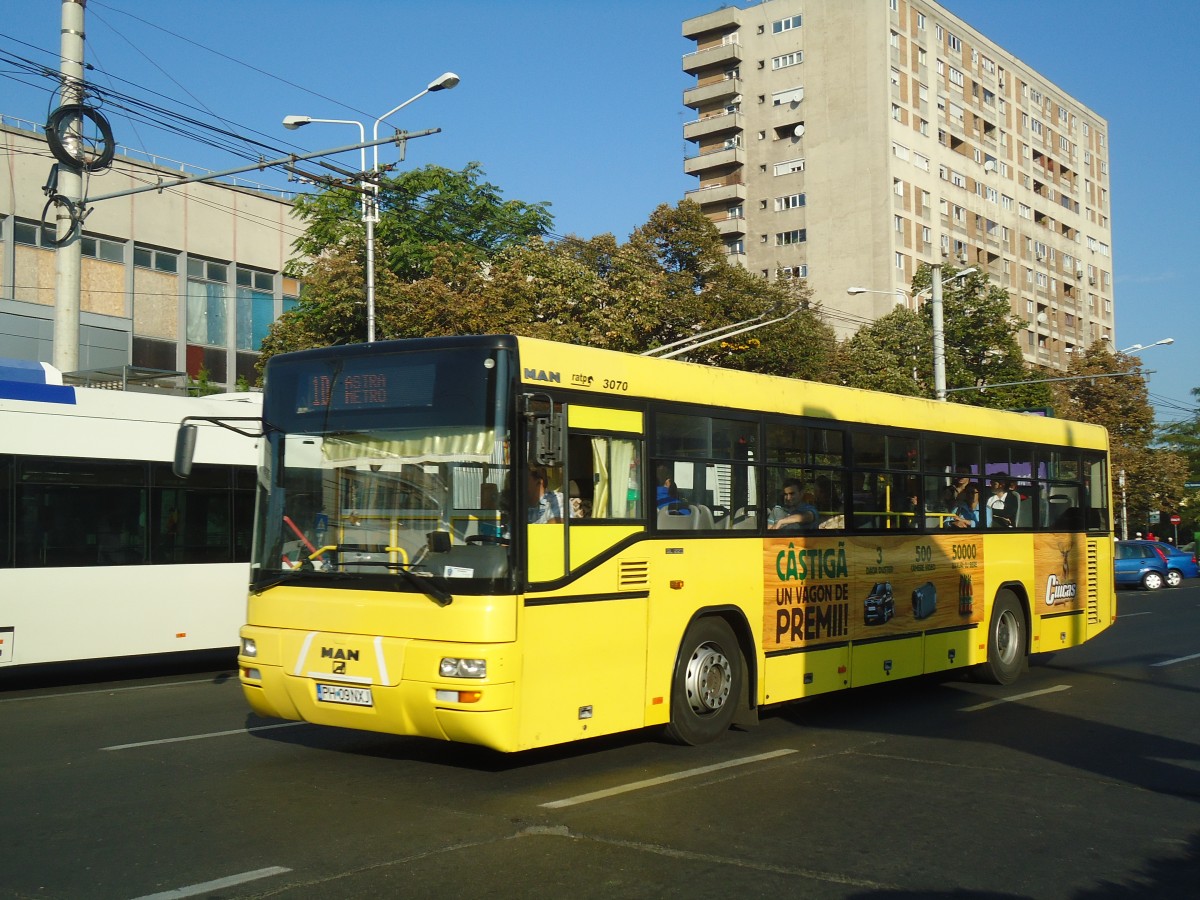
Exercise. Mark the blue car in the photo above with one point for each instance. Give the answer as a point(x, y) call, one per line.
point(1181, 564)
point(1139, 564)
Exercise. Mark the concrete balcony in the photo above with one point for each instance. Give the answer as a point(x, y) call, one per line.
point(700, 128)
point(724, 194)
point(726, 19)
point(720, 91)
point(729, 158)
point(731, 226)
point(728, 53)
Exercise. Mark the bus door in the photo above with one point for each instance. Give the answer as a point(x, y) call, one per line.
point(595, 480)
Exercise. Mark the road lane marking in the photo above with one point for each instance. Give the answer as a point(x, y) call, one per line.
point(1014, 699)
point(1178, 659)
point(192, 890)
point(662, 779)
point(1131, 615)
point(201, 737)
point(116, 690)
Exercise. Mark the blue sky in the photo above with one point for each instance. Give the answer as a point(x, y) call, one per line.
point(579, 104)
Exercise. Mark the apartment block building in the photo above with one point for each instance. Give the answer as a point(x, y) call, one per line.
point(848, 141)
point(177, 280)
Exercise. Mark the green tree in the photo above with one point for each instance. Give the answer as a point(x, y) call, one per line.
point(980, 340)
point(420, 210)
point(1183, 439)
point(892, 354)
point(1154, 478)
point(671, 280)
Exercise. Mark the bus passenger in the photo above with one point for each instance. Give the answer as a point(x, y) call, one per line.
point(1002, 505)
point(798, 512)
point(545, 507)
point(966, 509)
point(667, 495)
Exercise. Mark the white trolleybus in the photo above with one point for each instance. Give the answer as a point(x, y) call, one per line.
point(103, 551)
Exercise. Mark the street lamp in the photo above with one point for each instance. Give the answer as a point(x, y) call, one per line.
point(1138, 348)
point(370, 187)
point(939, 333)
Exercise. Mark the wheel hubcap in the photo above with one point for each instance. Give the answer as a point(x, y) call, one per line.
point(709, 679)
point(1008, 632)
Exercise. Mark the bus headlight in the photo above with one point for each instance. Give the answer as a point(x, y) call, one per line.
point(458, 667)
point(249, 647)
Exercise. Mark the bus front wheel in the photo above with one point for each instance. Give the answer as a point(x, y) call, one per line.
point(707, 685)
point(1006, 642)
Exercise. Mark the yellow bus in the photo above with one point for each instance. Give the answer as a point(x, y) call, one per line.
point(516, 543)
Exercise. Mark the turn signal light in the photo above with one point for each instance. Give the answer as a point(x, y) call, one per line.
point(459, 696)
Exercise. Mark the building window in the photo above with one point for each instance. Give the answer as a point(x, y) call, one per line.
point(953, 42)
point(788, 166)
point(99, 248)
point(159, 260)
point(255, 308)
point(788, 59)
point(920, 21)
point(786, 238)
point(791, 201)
point(800, 271)
point(782, 25)
point(32, 234)
point(900, 261)
point(956, 77)
point(207, 308)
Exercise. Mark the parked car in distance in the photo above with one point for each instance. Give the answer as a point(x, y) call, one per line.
point(1181, 564)
point(1139, 564)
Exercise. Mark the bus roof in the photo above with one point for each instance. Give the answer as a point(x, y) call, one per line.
point(628, 378)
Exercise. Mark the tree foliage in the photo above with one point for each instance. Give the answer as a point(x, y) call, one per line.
point(895, 353)
point(980, 342)
point(1154, 478)
point(671, 280)
point(420, 210)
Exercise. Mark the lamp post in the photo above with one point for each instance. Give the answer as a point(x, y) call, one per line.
point(939, 333)
point(1138, 348)
point(1124, 515)
point(370, 187)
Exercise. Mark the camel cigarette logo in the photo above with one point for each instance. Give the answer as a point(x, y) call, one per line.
point(1060, 591)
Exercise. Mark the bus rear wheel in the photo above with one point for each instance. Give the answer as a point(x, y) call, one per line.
point(707, 685)
point(1006, 642)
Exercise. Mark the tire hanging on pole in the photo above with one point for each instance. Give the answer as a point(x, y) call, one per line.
point(73, 210)
point(54, 137)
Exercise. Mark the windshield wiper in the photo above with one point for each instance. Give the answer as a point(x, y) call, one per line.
point(430, 585)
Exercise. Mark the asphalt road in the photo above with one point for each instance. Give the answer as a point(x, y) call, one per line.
point(1080, 781)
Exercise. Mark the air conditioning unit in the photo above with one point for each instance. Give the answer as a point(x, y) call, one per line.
point(1091, 281)
point(946, 253)
point(1041, 257)
point(1079, 273)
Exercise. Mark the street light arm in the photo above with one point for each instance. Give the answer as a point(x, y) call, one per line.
point(1138, 348)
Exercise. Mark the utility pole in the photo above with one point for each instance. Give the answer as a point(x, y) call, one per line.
point(67, 258)
point(939, 334)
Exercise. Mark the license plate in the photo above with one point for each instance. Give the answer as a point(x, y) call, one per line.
point(336, 693)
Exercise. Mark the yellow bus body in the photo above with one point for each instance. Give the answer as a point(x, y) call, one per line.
point(596, 653)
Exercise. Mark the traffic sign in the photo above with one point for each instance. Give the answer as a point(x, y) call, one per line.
point(1175, 520)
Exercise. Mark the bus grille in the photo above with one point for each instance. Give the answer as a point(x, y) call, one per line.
point(634, 575)
point(1093, 595)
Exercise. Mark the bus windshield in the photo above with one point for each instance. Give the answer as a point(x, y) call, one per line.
point(381, 467)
